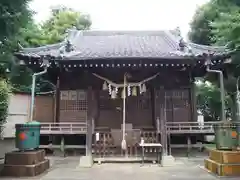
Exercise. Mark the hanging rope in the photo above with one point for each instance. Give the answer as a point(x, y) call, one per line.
point(121, 85)
point(124, 143)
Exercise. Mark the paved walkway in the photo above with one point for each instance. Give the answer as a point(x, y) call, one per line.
point(66, 169)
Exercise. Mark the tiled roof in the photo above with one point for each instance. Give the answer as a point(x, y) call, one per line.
point(122, 44)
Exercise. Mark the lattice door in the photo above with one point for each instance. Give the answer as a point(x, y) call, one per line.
point(181, 105)
point(139, 110)
point(110, 111)
point(73, 106)
point(174, 104)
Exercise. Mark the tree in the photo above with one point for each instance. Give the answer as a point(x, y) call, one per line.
point(226, 28)
point(201, 25)
point(61, 20)
point(220, 20)
point(209, 100)
point(14, 15)
point(5, 91)
point(53, 30)
point(31, 35)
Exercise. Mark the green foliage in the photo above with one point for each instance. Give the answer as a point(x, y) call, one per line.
point(51, 31)
point(226, 28)
point(209, 100)
point(218, 23)
point(200, 26)
point(5, 92)
point(54, 29)
point(31, 36)
point(202, 30)
point(14, 16)
point(61, 20)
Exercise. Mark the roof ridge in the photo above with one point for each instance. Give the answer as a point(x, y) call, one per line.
point(171, 39)
point(121, 32)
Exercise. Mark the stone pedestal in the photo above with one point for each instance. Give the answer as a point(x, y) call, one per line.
point(27, 163)
point(86, 161)
point(223, 163)
point(168, 161)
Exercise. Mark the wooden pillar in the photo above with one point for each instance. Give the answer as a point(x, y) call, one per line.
point(193, 102)
point(169, 144)
point(89, 138)
point(89, 121)
point(163, 126)
point(57, 101)
point(153, 105)
point(164, 137)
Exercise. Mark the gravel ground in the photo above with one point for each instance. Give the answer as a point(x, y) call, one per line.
point(67, 169)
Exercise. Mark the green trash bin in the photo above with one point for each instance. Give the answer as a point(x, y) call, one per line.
point(226, 137)
point(27, 135)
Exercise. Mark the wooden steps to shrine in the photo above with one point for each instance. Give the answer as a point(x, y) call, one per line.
point(26, 163)
point(223, 163)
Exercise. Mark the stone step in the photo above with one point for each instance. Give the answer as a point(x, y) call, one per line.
point(25, 170)
point(225, 157)
point(222, 169)
point(24, 157)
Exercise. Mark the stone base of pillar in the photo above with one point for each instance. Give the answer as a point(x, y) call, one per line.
point(168, 160)
point(86, 161)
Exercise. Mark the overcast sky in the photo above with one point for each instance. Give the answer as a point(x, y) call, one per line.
point(128, 14)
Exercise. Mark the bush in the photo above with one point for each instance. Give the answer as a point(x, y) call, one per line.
point(5, 92)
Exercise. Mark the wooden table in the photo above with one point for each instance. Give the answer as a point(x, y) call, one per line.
point(158, 152)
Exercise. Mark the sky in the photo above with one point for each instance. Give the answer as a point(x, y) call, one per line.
point(127, 14)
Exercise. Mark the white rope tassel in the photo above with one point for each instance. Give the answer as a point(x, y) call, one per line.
point(109, 89)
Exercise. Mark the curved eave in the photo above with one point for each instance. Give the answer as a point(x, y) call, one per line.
point(45, 48)
point(214, 49)
point(76, 58)
point(28, 57)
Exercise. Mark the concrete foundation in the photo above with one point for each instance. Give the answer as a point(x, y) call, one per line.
point(86, 161)
point(25, 163)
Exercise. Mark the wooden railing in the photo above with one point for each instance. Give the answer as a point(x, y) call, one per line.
point(190, 127)
point(171, 127)
point(107, 146)
point(64, 128)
